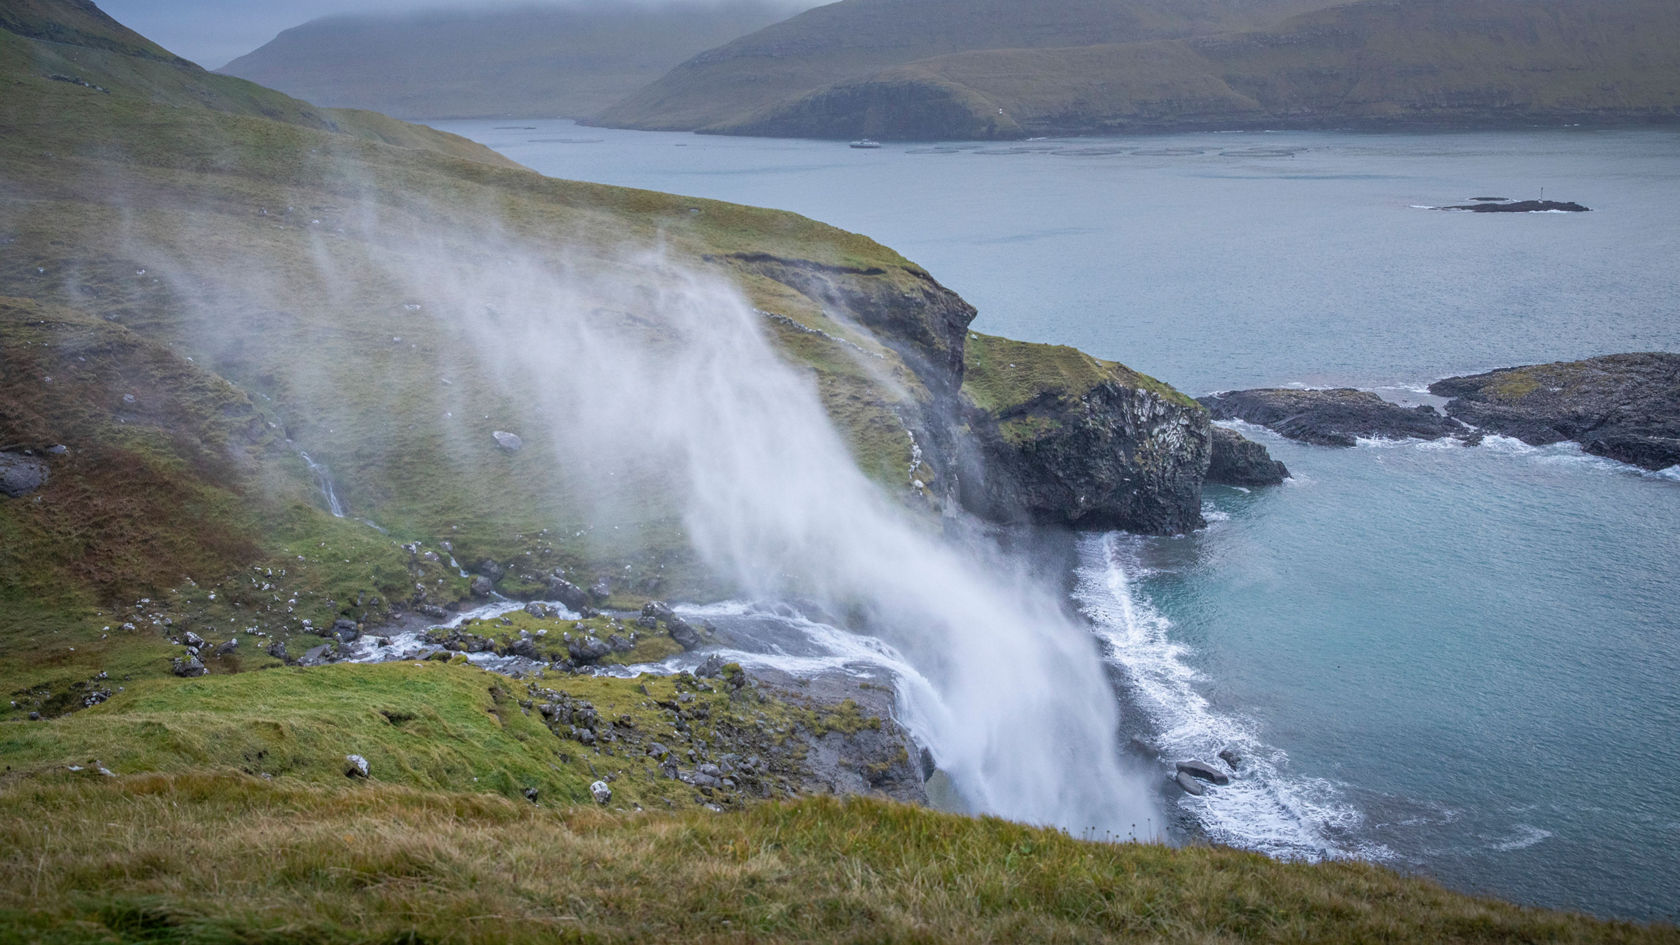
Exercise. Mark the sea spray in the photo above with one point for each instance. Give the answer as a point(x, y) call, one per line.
point(654, 376)
point(1265, 807)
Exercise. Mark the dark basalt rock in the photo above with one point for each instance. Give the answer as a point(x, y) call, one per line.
point(1114, 456)
point(564, 591)
point(1203, 771)
point(1334, 417)
point(1498, 205)
point(1239, 461)
point(1624, 407)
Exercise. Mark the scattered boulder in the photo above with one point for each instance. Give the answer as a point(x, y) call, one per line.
point(192, 639)
point(680, 630)
point(491, 569)
point(1333, 417)
point(1624, 407)
point(537, 609)
point(355, 766)
point(710, 668)
point(573, 597)
point(1203, 771)
point(1239, 461)
point(587, 649)
point(345, 630)
point(481, 586)
point(20, 474)
point(600, 591)
point(508, 441)
point(188, 667)
point(1230, 757)
point(531, 794)
point(228, 647)
point(277, 649)
point(600, 792)
point(1189, 784)
point(524, 647)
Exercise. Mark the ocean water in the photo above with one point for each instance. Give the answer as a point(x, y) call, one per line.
point(1460, 661)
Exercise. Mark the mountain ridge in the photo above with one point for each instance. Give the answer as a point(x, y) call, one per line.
point(1368, 64)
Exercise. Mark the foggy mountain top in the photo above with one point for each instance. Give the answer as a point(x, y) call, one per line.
point(214, 32)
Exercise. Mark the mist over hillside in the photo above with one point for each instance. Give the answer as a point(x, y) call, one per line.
point(568, 60)
point(930, 70)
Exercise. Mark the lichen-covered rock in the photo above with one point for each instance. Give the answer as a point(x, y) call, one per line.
point(1622, 406)
point(1239, 461)
point(1332, 417)
point(1057, 436)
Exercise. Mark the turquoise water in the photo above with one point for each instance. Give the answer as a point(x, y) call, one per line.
point(1460, 661)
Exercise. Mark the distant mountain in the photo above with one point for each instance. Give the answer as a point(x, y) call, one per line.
point(549, 61)
point(1377, 63)
point(854, 38)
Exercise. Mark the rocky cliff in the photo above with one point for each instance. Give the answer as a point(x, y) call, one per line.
point(1057, 436)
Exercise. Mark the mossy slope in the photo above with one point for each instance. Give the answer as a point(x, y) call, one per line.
point(243, 268)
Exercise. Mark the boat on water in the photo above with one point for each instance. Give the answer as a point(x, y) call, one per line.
point(866, 143)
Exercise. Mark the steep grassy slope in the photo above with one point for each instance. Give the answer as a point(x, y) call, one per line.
point(523, 62)
point(205, 279)
point(1485, 63)
point(722, 87)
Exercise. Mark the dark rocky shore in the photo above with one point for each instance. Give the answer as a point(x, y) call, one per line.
point(1335, 417)
point(1622, 406)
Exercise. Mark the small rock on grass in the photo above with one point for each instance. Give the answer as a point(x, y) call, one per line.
point(355, 766)
point(600, 792)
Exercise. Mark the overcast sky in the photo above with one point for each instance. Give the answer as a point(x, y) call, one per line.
point(212, 32)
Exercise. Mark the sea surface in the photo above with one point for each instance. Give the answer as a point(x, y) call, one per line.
point(1460, 661)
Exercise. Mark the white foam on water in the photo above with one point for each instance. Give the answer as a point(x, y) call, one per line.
point(1526, 835)
point(411, 644)
point(1265, 807)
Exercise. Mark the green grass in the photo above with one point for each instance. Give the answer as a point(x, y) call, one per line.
point(210, 857)
point(1002, 376)
point(439, 725)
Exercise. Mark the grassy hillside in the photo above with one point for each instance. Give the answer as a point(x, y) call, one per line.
point(850, 39)
point(205, 279)
point(1485, 63)
point(529, 61)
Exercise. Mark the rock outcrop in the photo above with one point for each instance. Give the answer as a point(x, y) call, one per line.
point(1334, 417)
point(1059, 437)
point(1622, 406)
point(1239, 461)
point(21, 475)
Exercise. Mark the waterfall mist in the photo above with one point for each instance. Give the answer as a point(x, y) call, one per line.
point(651, 373)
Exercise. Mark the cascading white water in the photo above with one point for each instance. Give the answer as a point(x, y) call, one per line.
point(324, 482)
point(643, 366)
